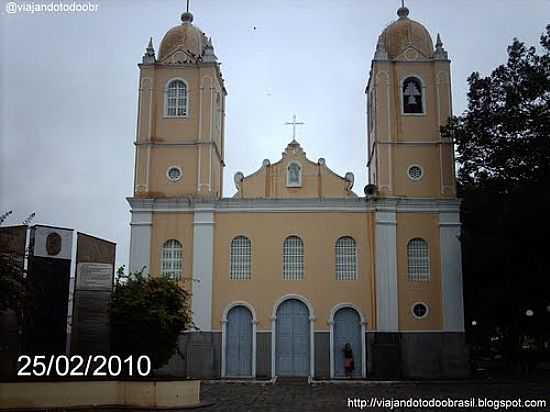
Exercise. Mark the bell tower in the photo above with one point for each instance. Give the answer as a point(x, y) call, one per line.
point(180, 122)
point(409, 99)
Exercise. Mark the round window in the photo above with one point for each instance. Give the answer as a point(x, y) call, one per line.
point(419, 310)
point(174, 173)
point(415, 172)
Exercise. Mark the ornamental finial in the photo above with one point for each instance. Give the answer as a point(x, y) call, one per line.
point(402, 11)
point(440, 52)
point(187, 17)
point(149, 56)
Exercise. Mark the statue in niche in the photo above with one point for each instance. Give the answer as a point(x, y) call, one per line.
point(293, 174)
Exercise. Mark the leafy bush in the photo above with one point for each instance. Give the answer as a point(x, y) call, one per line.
point(147, 315)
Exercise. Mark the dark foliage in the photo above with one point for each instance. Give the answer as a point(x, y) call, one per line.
point(503, 151)
point(502, 138)
point(147, 315)
point(13, 291)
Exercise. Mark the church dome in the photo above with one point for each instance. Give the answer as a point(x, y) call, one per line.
point(404, 33)
point(186, 37)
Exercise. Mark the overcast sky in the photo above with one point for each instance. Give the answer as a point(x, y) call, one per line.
point(68, 89)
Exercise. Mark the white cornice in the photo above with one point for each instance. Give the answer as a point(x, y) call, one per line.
point(351, 205)
point(414, 142)
point(182, 144)
point(415, 331)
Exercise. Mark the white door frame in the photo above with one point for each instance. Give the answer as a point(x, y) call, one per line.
point(224, 334)
point(330, 322)
point(312, 318)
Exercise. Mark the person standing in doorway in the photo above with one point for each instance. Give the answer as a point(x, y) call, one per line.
point(348, 360)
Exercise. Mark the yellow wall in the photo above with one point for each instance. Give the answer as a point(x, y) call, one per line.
point(403, 139)
point(423, 155)
point(177, 226)
point(425, 226)
point(165, 156)
point(319, 232)
point(193, 142)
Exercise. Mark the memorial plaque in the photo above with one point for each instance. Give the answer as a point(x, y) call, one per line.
point(94, 276)
point(95, 265)
point(92, 324)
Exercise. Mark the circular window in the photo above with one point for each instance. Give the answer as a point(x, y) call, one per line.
point(419, 310)
point(174, 173)
point(415, 172)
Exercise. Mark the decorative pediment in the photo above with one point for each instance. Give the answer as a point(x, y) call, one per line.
point(180, 56)
point(294, 176)
point(412, 53)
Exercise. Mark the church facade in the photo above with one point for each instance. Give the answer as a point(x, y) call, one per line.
point(296, 265)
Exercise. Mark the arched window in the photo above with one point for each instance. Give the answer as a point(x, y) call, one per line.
point(346, 259)
point(176, 99)
point(412, 98)
point(294, 175)
point(171, 259)
point(418, 260)
point(293, 258)
point(241, 258)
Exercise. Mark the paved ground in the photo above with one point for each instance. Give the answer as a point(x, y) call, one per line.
point(243, 397)
point(329, 397)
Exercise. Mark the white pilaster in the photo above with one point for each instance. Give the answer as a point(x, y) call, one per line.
point(203, 268)
point(140, 240)
point(331, 346)
point(273, 343)
point(451, 271)
point(364, 349)
point(386, 272)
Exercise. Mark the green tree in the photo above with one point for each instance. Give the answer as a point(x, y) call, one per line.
point(503, 153)
point(147, 315)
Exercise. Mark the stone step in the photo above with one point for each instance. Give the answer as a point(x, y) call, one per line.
point(292, 380)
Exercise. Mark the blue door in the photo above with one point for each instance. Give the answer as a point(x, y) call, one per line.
point(347, 329)
point(292, 339)
point(238, 344)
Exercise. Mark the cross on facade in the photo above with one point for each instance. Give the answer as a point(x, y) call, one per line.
point(294, 123)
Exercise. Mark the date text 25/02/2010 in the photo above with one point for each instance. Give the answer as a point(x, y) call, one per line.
point(76, 365)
